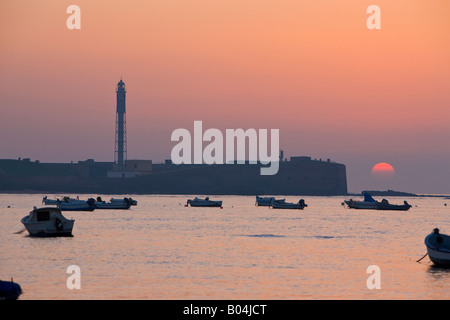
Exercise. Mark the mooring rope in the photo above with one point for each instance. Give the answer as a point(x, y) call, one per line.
point(422, 257)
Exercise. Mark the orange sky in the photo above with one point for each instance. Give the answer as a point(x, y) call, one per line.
point(309, 68)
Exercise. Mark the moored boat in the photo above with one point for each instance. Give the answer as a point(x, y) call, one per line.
point(438, 248)
point(370, 203)
point(266, 201)
point(197, 202)
point(47, 222)
point(9, 290)
point(129, 200)
point(118, 205)
point(287, 205)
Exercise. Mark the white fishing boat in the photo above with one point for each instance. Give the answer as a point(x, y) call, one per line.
point(438, 248)
point(81, 205)
point(47, 201)
point(197, 202)
point(118, 205)
point(360, 204)
point(371, 204)
point(266, 201)
point(47, 222)
point(287, 205)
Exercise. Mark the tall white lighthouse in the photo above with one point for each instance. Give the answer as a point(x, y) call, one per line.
point(120, 151)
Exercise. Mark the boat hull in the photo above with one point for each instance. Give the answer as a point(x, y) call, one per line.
point(51, 202)
point(131, 201)
point(75, 207)
point(361, 205)
point(382, 206)
point(204, 203)
point(283, 205)
point(439, 258)
point(112, 206)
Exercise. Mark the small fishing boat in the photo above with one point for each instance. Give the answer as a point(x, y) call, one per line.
point(130, 200)
point(266, 201)
point(370, 203)
point(9, 290)
point(47, 222)
point(197, 202)
point(438, 248)
point(286, 205)
point(81, 205)
point(47, 201)
point(118, 205)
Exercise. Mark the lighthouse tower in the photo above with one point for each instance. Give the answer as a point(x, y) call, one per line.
point(120, 151)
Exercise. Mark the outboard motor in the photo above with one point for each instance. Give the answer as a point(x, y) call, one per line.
point(302, 203)
point(91, 202)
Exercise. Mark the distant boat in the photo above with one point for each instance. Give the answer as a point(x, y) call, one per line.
point(286, 205)
point(47, 222)
point(57, 201)
point(370, 203)
point(81, 205)
point(266, 201)
point(438, 248)
point(47, 201)
point(123, 204)
point(130, 200)
point(9, 290)
point(197, 202)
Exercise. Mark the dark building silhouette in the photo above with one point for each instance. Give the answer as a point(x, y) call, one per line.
point(299, 176)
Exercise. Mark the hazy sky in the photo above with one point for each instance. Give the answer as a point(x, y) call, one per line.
point(312, 69)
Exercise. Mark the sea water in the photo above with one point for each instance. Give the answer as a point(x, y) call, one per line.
point(161, 249)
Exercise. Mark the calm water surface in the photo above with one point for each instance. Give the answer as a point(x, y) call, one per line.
point(161, 249)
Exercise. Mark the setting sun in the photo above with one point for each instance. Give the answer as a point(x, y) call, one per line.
point(383, 171)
